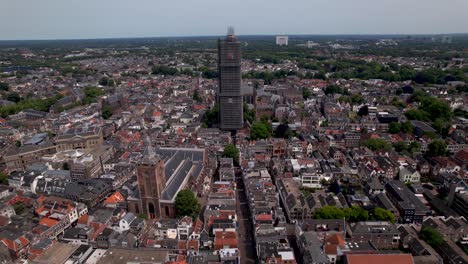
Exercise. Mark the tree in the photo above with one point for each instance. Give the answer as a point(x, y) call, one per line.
point(66, 166)
point(413, 147)
point(142, 216)
point(230, 151)
point(283, 131)
point(104, 81)
point(377, 144)
point(18, 143)
point(355, 214)
point(407, 127)
point(306, 93)
point(380, 214)
point(19, 207)
point(437, 148)
point(91, 94)
point(249, 115)
point(432, 236)
point(335, 89)
point(334, 187)
point(209, 73)
point(3, 178)
point(394, 128)
point(400, 146)
point(441, 127)
point(328, 212)
point(196, 96)
point(210, 118)
point(436, 108)
point(363, 111)
point(357, 99)
point(13, 97)
point(260, 130)
point(163, 70)
point(106, 111)
point(4, 86)
point(111, 83)
point(417, 114)
point(186, 204)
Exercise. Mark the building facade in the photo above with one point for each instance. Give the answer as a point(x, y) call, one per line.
point(151, 181)
point(229, 94)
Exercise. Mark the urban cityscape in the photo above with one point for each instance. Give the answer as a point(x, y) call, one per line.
point(238, 148)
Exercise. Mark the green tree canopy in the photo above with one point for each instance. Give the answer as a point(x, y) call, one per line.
point(3, 178)
point(19, 207)
point(377, 144)
point(142, 216)
point(355, 214)
point(380, 214)
point(430, 108)
point(260, 130)
point(186, 204)
point(163, 70)
point(230, 151)
point(13, 97)
point(106, 111)
point(437, 148)
point(441, 127)
point(111, 83)
point(363, 111)
point(407, 127)
point(335, 89)
point(394, 128)
point(209, 73)
point(66, 166)
point(306, 93)
point(432, 236)
point(104, 80)
point(249, 115)
point(4, 86)
point(91, 94)
point(210, 118)
point(328, 212)
point(283, 131)
point(196, 96)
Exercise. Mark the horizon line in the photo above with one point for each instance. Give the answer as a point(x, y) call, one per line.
point(246, 35)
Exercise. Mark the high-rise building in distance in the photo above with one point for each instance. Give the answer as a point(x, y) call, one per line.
point(282, 40)
point(229, 93)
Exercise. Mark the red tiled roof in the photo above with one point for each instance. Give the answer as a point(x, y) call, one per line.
point(379, 258)
point(225, 239)
point(193, 244)
point(48, 222)
point(182, 245)
point(83, 219)
point(331, 249)
point(264, 217)
point(114, 198)
point(335, 239)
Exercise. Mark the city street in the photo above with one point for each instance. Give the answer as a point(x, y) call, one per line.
point(245, 235)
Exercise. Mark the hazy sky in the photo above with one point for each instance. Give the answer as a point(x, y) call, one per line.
point(65, 19)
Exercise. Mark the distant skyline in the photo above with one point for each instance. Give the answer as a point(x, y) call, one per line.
point(85, 19)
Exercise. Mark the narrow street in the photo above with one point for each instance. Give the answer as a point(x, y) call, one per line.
point(245, 235)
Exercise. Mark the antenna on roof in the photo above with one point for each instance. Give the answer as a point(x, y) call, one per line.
point(230, 31)
point(149, 149)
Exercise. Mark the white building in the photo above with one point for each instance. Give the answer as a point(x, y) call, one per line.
point(282, 40)
point(125, 222)
point(407, 174)
point(311, 180)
